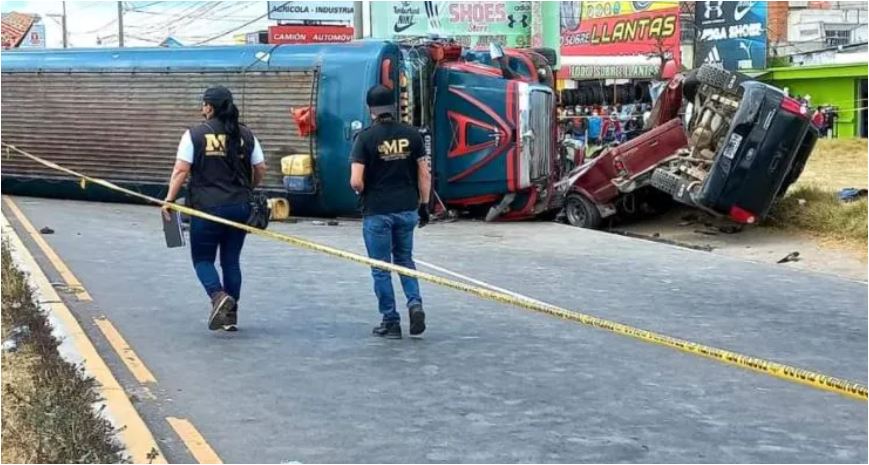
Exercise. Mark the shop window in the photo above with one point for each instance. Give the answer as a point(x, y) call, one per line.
point(837, 37)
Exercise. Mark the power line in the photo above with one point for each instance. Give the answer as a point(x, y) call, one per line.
point(161, 26)
point(239, 27)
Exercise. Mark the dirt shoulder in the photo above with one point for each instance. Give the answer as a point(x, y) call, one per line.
point(49, 406)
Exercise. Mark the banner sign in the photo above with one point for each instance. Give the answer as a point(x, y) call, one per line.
point(731, 34)
point(35, 37)
point(608, 28)
point(469, 23)
point(638, 71)
point(336, 12)
point(309, 34)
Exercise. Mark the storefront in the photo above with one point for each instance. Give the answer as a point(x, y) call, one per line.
point(612, 50)
point(470, 23)
point(841, 87)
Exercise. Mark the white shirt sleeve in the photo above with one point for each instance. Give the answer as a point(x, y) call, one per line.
point(257, 156)
point(185, 148)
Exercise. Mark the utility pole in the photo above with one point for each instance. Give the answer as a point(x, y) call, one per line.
point(120, 24)
point(62, 23)
point(357, 20)
point(63, 26)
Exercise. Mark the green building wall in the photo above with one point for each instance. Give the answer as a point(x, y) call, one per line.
point(836, 85)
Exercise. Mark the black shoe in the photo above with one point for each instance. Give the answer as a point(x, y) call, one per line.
point(388, 330)
point(231, 324)
point(417, 320)
point(221, 304)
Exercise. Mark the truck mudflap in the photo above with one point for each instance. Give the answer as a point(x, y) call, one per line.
point(124, 126)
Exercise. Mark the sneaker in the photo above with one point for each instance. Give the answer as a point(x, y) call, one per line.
point(388, 330)
point(231, 320)
point(417, 320)
point(221, 304)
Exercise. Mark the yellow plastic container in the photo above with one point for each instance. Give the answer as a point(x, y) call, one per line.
point(297, 165)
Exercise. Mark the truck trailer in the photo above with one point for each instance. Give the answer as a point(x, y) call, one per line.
point(118, 114)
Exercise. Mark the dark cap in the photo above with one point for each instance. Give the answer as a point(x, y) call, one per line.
point(217, 96)
point(381, 100)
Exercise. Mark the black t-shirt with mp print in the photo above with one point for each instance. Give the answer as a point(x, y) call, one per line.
point(390, 151)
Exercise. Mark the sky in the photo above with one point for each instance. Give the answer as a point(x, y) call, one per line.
point(146, 23)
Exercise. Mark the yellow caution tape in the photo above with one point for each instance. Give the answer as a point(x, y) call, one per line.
point(774, 369)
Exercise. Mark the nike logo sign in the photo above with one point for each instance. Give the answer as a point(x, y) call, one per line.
point(402, 27)
point(741, 9)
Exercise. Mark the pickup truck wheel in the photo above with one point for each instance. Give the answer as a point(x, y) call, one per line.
point(721, 79)
point(581, 212)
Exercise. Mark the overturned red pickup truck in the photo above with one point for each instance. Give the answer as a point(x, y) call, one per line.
point(740, 145)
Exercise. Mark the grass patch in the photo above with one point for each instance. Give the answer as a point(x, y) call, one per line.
point(837, 163)
point(48, 403)
point(812, 205)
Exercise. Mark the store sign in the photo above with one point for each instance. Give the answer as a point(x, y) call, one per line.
point(731, 34)
point(309, 34)
point(337, 12)
point(469, 23)
point(583, 72)
point(604, 28)
point(34, 38)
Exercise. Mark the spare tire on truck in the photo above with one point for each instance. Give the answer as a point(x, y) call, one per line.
point(727, 81)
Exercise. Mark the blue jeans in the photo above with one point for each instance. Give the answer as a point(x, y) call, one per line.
point(389, 238)
point(206, 237)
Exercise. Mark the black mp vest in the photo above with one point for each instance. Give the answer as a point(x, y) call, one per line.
point(214, 178)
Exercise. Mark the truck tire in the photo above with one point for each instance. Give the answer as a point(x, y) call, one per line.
point(598, 95)
point(581, 212)
point(549, 54)
point(665, 181)
point(721, 79)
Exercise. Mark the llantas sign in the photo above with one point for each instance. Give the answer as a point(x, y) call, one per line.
point(309, 34)
point(609, 28)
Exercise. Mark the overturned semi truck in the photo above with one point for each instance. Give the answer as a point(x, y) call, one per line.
point(118, 114)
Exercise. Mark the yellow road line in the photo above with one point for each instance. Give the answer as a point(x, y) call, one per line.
point(773, 369)
point(134, 433)
point(71, 281)
point(133, 362)
point(196, 444)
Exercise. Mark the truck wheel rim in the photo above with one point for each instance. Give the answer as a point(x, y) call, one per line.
point(576, 212)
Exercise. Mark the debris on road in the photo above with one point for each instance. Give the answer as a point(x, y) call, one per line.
point(730, 228)
point(791, 257)
point(656, 237)
point(851, 194)
point(46, 230)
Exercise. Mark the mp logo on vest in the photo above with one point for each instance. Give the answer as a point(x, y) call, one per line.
point(215, 145)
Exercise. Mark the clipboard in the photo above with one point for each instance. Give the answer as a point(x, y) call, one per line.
point(172, 230)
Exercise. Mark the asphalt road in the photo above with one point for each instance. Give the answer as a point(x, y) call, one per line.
point(304, 381)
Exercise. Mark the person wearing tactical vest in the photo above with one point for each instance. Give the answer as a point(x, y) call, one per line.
point(224, 162)
point(390, 173)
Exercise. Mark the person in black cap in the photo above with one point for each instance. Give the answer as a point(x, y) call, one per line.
point(390, 171)
point(224, 162)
